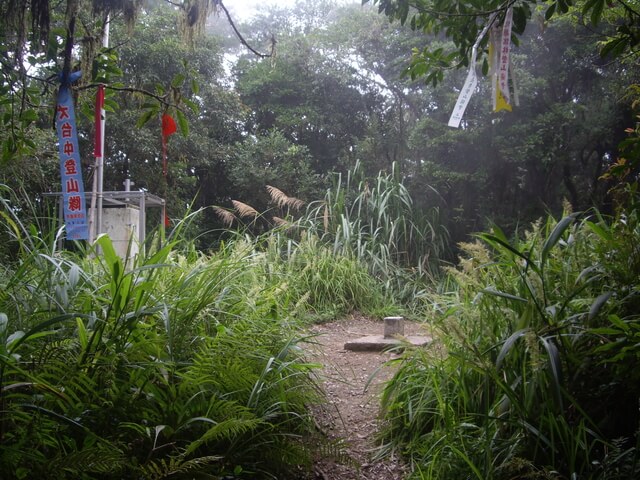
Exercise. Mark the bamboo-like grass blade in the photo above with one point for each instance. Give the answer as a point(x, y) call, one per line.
point(498, 293)
point(598, 303)
point(555, 365)
point(508, 344)
point(602, 231)
point(39, 330)
point(555, 236)
point(501, 244)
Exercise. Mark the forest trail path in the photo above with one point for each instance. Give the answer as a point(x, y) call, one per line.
point(350, 418)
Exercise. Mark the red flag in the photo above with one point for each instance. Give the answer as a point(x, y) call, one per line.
point(99, 118)
point(168, 125)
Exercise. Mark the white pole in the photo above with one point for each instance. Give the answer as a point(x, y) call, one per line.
point(95, 218)
point(92, 212)
point(100, 159)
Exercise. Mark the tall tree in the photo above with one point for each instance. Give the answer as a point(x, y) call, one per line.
point(197, 173)
point(151, 69)
point(310, 97)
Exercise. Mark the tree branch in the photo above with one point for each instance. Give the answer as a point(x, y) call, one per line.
point(480, 13)
point(241, 38)
point(628, 8)
point(72, 12)
point(162, 99)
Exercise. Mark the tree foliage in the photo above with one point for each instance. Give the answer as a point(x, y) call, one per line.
point(313, 100)
point(335, 96)
point(461, 21)
point(43, 41)
point(330, 123)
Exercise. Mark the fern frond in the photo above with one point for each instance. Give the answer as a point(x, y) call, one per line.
point(336, 450)
point(198, 463)
point(161, 469)
point(60, 350)
point(244, 210)
point(98, 459)
point(227, 429)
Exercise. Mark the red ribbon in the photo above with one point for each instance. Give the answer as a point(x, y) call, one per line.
point(168, 125)
point(168, 129)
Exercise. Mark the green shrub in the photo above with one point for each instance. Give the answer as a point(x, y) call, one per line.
point(331, 283)
point(536, 370)
point(174, 365)
point(375, 221)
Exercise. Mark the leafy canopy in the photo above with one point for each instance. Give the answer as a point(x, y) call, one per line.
point(461, 21)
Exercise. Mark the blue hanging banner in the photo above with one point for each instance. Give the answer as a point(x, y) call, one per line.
point(74, 205)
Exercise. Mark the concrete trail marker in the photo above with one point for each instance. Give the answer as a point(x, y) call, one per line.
point(393, 337)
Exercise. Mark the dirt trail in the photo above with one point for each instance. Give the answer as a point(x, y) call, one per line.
point(351, 413)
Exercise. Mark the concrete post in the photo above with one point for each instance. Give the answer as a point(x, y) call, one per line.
point(393, 326)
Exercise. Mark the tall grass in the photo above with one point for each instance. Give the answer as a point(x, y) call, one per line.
point(362, 223)
point(328, 284)
point(535, 376)
point(177, 364)
point(375, 221)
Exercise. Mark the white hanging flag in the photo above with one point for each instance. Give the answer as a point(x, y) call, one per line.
point(494, 47)
point(471, 82)
point(469, 87)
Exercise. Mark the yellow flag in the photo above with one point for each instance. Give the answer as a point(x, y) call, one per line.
point(499, 50)
point(501, 102)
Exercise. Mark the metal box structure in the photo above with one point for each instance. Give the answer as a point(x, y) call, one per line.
point(123, 217)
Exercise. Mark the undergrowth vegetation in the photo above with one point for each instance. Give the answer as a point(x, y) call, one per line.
point(361, 223)
point(535, 374)
point(162, 369)
point(180, 364)
point(176, 364)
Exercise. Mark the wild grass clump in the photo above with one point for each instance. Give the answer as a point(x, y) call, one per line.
point(327, 284)
point(375, 221)
point(176, 364)
point(363, 247)
point(536, 373)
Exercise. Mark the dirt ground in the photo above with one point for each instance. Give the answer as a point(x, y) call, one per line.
point(353, 382)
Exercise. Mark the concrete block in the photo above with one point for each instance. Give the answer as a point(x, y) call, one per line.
point(393, 326)
point(377, 343)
